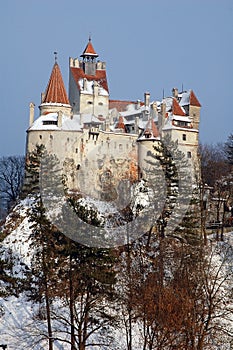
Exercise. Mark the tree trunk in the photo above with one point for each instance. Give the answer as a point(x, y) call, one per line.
point(49, 326)
point(222, 225)
point(71, 306)
point(47, 303)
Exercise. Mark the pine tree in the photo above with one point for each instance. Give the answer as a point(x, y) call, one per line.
point(9, 284)
point(177, 182)
point(40, 287)
point(86, 281)
point(32, 172)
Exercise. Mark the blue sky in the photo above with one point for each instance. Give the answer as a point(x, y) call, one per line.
point(148, 45)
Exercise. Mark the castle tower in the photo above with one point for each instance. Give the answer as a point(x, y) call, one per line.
point(194, 110)
point(88, 87)
point(55, 98)
point(181, 123)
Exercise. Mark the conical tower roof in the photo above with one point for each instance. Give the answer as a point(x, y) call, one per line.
point(89, 50)
point(55, 91)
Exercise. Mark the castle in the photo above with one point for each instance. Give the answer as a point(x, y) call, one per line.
point(100, 141)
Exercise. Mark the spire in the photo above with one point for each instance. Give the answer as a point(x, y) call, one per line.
point(89, 51)
point(55, 91)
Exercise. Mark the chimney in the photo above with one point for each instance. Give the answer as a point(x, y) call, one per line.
point(107, 123)
point(136, 125)
point(154, 106)
point(138, 104)
point(42, 97)
point(31, 113)
point(59, 119)
point(147, 99)
point(175, 93)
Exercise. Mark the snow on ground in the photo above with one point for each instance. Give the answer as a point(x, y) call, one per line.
point(18, 326)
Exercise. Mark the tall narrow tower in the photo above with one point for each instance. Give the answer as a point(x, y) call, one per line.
point(88, 87)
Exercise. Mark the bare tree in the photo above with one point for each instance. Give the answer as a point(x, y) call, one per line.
point(228, 148)
point(213, 163)
point(11, 179)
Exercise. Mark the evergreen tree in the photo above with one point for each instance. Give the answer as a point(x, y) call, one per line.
point(86, 280)
point(9, 284)
point(40, 286)
point(32, 171)
point(176, 179)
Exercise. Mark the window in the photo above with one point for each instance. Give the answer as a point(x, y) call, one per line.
point(182, 124)
point(51, 137)
point(189, 154)
point(40, 136)
point(89, 102)
point(49, 122)
point(184, 137)
point(100, 103)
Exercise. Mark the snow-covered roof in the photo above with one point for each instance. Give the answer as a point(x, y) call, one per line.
point(49, 122)
point(87, 87)
point(170, 126)
point(182, 118)
point(90, 119)
point(184, 98)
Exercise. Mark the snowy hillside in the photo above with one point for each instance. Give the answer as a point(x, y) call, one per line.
point(20, 327)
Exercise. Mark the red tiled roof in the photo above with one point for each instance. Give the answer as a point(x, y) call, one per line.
point(176, 109)
point(193, 100)
point(89, 50)
point(121, 106)
point(100, 76)
point(121, 124)
point(55, 91)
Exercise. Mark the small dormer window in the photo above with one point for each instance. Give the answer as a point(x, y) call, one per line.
point(89, 102)
point(49, 122)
